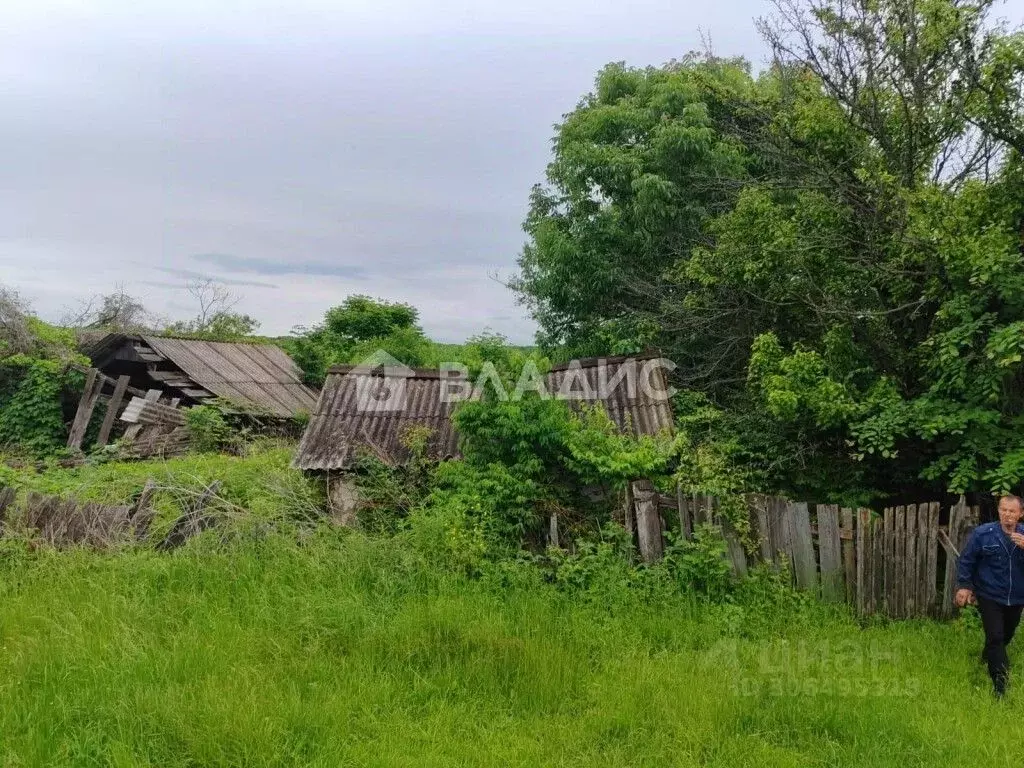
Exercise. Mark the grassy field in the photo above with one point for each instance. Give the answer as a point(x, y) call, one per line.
point(341, 650)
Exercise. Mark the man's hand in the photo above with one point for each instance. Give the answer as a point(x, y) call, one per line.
point(964, 597)
point(1018, 539)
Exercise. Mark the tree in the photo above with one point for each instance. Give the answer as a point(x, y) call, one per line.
point(354, 330)
point(214, 317)
point(834, 255)
point(117, 311)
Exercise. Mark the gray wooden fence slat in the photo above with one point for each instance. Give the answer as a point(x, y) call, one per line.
point(734, 549)
point(877, 565)
point(804, 565)
point(863, 554)
point(886, 563)
point(921, 557)
point(931, 567)
point(830, 553)
point(763, 529)
point(648, 521)
point(849, 555)
point(949, 582)
point(900, 529)
point(784, 533)
point(910, 563)
point(113, 406)
point(86, 405)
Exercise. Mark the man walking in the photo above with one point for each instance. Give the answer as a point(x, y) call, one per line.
point(991, 574)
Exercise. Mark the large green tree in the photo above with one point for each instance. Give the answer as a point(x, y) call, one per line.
point(831, 251)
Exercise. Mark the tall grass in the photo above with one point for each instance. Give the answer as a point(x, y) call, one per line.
point(346, 651)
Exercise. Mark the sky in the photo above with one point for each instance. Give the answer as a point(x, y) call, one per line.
point(302, 151)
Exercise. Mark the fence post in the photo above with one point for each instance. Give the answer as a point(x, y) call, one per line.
point(648, 521)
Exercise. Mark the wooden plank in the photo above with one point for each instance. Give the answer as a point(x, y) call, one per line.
point(849, 554)
point(900, 532)
point(956, 514)
point(912, 567)
point(553, 530)
point(648, 521)
point(734, 549)
point(86, 405)
point(888, 561)
point(878, 546)
point(931, 560)
point(830, 553)
point(7, 496)
point(863, 544)
point(762, 523)
point(113, 406)
point(804, 566)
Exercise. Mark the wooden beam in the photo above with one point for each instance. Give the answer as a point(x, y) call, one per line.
point(86, 405)
point(113, 405)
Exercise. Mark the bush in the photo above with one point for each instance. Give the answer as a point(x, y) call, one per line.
point(208, 429)
point(31, 408)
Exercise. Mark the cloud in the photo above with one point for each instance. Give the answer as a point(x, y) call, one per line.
point(189, 274)
point(276, 267)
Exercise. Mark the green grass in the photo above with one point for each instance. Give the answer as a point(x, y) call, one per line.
point(261, 483)
point(346, 651)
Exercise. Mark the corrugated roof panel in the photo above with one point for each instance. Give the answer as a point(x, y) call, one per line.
point(260, 375)
point(346, 416)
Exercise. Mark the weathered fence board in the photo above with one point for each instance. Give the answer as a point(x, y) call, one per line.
point(931, 569)
point(886, 563)
point(849, 554)
point(829, 552)
point(804, 566)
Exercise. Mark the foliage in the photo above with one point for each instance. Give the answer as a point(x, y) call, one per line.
point(354, 330)
point(31, 414)
point(830, 251)
point(699, 564)
point(388, 493)
point(208, 430)
point(221, 326)
point(522, 460)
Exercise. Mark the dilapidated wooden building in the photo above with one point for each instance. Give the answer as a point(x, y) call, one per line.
point(373, 409)
point(256, 377)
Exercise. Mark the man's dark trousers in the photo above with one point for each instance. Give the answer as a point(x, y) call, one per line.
point(1000, 622)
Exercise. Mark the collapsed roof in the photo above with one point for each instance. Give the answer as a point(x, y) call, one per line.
point(259, 377)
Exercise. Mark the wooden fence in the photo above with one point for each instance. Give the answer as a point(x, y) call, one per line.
point(63, 522)
point(900, 562)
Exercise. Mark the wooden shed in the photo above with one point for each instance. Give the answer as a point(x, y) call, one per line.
point(372, 409)
point(260, 377)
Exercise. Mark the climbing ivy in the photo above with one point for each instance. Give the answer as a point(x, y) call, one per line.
point(31, 412)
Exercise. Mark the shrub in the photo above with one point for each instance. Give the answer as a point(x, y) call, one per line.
point(209, 430)
point(31, 409)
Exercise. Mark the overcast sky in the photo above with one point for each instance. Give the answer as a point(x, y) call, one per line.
point(302, 151)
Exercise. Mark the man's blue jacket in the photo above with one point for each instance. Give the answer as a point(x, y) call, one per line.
point(992, 565)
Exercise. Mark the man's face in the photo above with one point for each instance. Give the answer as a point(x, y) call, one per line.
point(1009, 512)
